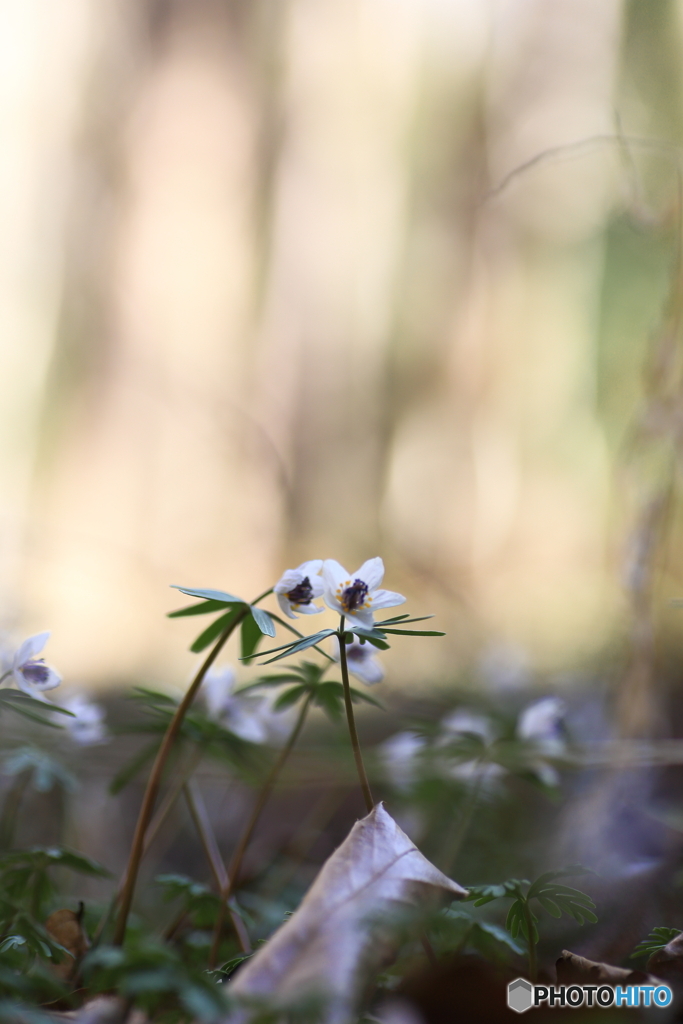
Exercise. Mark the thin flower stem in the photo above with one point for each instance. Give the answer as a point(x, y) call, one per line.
point(533, 969)
point(261, 801)
point(360, 767)
point(202, 822)
point(154, 781)
point(454, 843)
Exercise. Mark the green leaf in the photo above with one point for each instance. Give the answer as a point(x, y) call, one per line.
point(213, 631)
point(359, 695)
point(289, 697)
point(551, 907)
point(205, 608)
point(549, 876)
point(250, 637)
point(263, 620)
point(77, 862)
point(413, 632)
point(210, 595)
point(405, 618)
point(657, 939)
point(299, 645)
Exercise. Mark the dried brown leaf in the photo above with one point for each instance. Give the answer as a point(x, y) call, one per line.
point(65, 927)
point(577, 970)
point(338, 938)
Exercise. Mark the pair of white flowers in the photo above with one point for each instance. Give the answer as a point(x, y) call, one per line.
point(34, 676)
point(355, 595)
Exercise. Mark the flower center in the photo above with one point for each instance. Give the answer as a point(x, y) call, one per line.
point(353, 597)
point(302, 592)
point(35, 671)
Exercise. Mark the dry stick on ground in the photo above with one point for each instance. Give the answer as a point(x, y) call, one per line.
point(202, 822)
point(154, 781)
point(261, 801)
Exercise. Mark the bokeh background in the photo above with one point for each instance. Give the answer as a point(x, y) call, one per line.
point(263, 300)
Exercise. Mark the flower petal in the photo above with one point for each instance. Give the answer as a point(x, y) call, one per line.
point(30, 648)
point(369, 670)
point(308, 609)
point(334, 574)
point(317, 586)
point(311, 568)
point(371, 572)
point(288, 581)
point(285, 605)
point(361, 617)
point(386, 599)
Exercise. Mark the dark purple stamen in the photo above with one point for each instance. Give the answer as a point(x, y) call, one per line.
point(354, 596)
point(35, 671)
point(356, 652)
point(302, 593)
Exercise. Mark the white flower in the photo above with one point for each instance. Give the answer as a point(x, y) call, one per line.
point(399, 755)
point(238, 714)
point(298, 588)
point(460, 721)
point(87, 726)
point(30, 673)
point(356, 595)
point(541, 721)
point(362, 662)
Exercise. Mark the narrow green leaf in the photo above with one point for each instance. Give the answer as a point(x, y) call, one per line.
point(263, 621)
point(289, 697)
point(300, 645)
point(213, 631)
point(205, 608)
point(209, 595)
point(359, 695)
point(549, 905)
point(250, 636)
point(413, 632)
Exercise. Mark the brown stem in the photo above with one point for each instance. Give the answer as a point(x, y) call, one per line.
point(154, 781)
point(360, 767)
point(202, 822)
point(261, 801)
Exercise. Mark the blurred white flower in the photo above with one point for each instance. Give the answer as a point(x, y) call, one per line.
point(87, 727)
point(460, 721)
point(236, 713)
point(362, 661)
point(399, 756)
point(357, 595)
point(542, 720)
point(30, 673)
point(298, 588)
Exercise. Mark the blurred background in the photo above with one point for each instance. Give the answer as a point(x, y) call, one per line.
point(268, 294)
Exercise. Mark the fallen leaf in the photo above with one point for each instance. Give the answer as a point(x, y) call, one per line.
point(577, 970)
point(66, 928)
point(339, 937)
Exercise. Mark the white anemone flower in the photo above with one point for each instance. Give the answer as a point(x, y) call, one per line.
point(541, 720)
point(362, 662)
point(30, 673)
point(297, 589)
point(400, 757)
point(238, 714)
point(87, 727)
point(357, 595)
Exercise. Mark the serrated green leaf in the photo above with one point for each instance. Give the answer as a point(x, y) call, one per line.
point(205, 608)
point(359, 695)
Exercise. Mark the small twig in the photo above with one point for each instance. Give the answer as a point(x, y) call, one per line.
point(202, 822)
point(261, 801)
